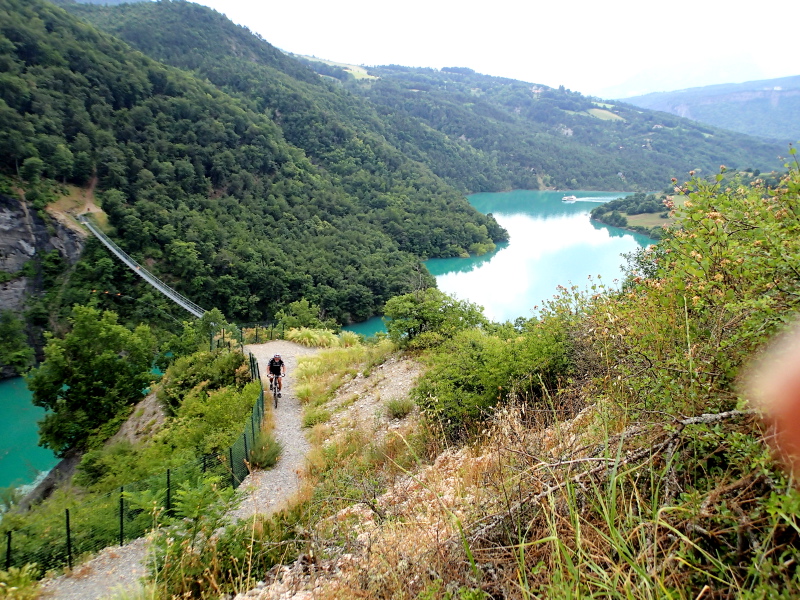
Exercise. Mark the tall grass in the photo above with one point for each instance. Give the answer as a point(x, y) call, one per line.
point(266, 450)
point(323, 338)
point(318, 377)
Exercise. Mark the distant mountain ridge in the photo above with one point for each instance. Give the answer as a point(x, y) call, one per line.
point(477, 132)
point(767, 108)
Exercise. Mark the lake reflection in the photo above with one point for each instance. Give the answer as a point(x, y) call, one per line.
point(552, 243)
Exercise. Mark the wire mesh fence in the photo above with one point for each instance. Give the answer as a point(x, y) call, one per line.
point(61, 537)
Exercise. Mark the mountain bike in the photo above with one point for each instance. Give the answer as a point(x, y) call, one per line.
point(275, 391)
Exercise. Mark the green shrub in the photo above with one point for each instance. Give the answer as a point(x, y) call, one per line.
point(398, 408)
point(474, 370)
point(430, 311)
point(348, 339)
point(315, 415)
point(20, 583)
point(213, 370)
point(323, 338)
point(265, 451)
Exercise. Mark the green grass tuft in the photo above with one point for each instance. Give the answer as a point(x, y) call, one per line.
point(399, 408)
point(315, 415)
point(266, 451)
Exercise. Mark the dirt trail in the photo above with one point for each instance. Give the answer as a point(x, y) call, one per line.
point(266, 491)
point(118, 569)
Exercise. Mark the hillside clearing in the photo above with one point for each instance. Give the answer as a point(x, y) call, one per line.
point(604, 115)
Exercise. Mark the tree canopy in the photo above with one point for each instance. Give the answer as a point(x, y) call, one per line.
point(88, 375)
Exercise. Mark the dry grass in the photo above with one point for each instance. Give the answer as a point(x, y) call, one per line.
point(649, 220)
point(604, 115)
point(77, 200)
point(535, 509)
point(355, 70)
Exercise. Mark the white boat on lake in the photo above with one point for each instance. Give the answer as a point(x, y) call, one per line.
point(569, 199)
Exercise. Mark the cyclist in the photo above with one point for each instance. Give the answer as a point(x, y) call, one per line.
point(276, 371)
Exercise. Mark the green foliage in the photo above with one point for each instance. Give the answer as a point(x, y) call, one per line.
point(610, 213)
point(314, 415)
point(180, 551)
point(207, 422)
point(14, 349)
point(88, 375)
point(634, 204)
point(440, 590)
point(399, 408)
point(266, 450)
point(474, 370)
point(199, 371)
point(422, 318)
point(20, 583)
point(198, 557)
point(303, 313)
point(321, 338)
point(725, 281)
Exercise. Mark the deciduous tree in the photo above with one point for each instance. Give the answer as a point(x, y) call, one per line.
point(88, 375)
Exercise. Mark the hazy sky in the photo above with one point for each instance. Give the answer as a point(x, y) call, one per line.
point(610, 48)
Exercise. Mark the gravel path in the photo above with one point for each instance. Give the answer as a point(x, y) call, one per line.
point(115, 569)
point(118, 569)
point(266, 491)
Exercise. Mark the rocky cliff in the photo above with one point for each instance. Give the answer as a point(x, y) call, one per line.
point(24, 237)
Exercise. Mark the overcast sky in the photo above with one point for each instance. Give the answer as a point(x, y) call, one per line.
point(609, 48)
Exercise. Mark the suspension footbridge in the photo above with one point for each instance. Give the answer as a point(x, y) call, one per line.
point(162, 287)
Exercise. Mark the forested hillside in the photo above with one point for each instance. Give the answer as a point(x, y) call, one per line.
point(563, 138)
point(206, 187)
point(479, 132)
point(337, 129)
point(768, 108)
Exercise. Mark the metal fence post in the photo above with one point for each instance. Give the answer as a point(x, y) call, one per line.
point(246, 453)
point(8, 550)
point(121, 517)
point(233, 479)
point(69, 539)
point(169, 494)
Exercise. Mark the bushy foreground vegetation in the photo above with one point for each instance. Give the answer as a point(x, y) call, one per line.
point(98, 369)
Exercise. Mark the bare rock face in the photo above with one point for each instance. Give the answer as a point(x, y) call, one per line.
point(23, 235)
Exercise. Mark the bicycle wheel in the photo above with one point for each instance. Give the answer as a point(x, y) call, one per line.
point(275, 393)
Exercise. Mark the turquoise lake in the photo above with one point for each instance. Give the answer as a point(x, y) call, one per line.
point(21, 459)
point(551, 243)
